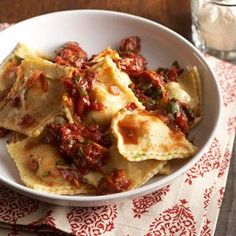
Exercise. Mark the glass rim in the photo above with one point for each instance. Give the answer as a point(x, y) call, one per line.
point(222, 3)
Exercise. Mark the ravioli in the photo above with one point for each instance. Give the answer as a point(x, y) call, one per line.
point(8, 69)
point(187, 89)
point(138, 172)
point(36, 97)
point(113, 54)
point(46, 176)
point(111, 90)
point(35, 92)
point(141, 135)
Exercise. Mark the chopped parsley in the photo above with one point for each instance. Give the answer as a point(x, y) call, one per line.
point(18, 59)
point(157, 94)
point(46, 173)
point(78, 79)
point(80, 152)
point(82, 92)
point(173, 107)
point(59, 162)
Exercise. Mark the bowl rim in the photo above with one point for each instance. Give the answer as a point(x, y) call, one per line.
point(143, 189)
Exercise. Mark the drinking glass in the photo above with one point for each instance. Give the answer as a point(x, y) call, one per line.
point(214, 27)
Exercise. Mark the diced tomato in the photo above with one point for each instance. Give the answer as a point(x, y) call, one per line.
point(131, 44)
point(182, 121)
point(26, 121)
point(71, 54)
point(132, 64)
point(94, 105)
point(82, 104)
point(115, 182)
point(32, 165)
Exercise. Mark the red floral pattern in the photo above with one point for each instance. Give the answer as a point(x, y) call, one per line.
point(14, 206)
point(48, 220)
point(226, 75)
point(14, 232)
point(206, 230)
point(208, 162)
point(92, 221)
point(220, 199)
point(177, 220)
point(207, 196)
point(232, 124)
point(225, 162)
point(143, 204)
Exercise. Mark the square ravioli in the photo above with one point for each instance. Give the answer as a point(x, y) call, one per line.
point(100, 125)
point(36, 97)
point(111, 90)
point(137, 172)
point(142, 135)
point(37, 166)
point(9, 68)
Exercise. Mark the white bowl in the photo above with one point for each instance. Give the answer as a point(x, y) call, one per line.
point(95, 30)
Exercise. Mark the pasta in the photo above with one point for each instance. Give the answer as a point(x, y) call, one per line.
point(94, 126)
point(39, 84)
point(142, 135)
point(8, 69)
point(111, 90)
point(36, 163)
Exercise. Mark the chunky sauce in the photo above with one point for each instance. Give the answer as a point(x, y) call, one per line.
point(86, 148)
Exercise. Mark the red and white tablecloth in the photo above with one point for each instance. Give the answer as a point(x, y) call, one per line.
point(188, 206)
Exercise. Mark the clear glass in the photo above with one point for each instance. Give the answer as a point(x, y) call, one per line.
point(214, 27)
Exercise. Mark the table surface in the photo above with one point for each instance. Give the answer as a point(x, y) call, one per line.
point(173, 14)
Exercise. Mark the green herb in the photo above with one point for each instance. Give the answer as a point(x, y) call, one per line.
point(147, 86)
point(46, 173)
point(139, 156)
point(176, 64)
point(190, 113)
point(82, 92)
point(173, 107)
point(161, 70)
point(165, 77)
point(152, 102)
point(70, 142)
point(78, 79)
point(112, 138)
point(157, 94)
point(46, 77)
point(149, 92)
point(18, 59)
point(80, 152)
point(171, 116)
point(59, 162)
point(85, 141)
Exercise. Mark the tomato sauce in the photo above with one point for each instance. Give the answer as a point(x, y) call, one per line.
point(26, 121)
point(84, 146)
point(114, 182)
point(71, 54)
